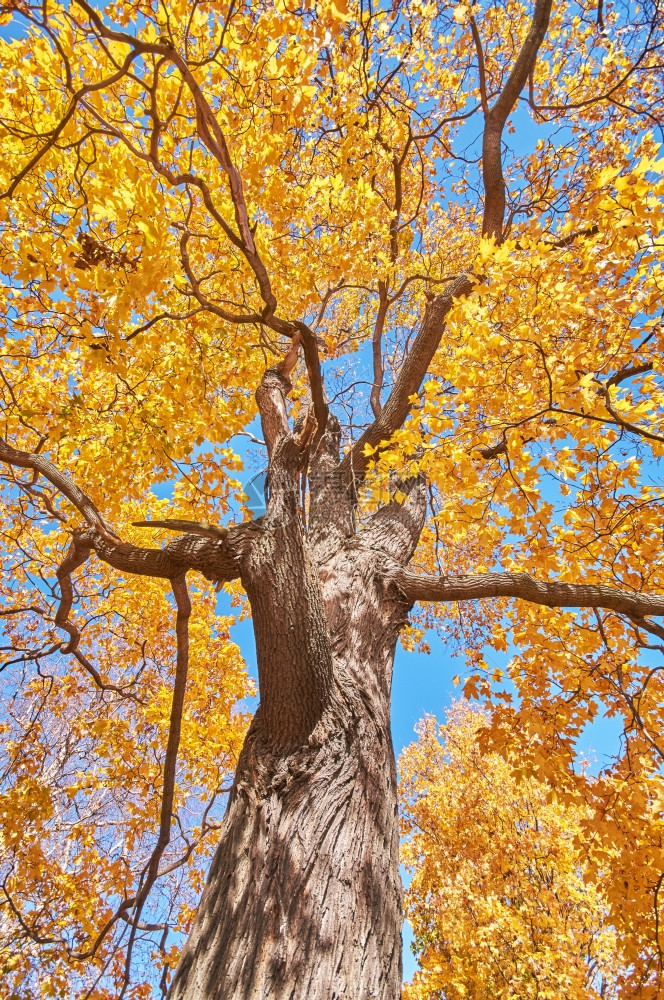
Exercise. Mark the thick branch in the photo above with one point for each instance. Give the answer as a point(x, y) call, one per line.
point(218, 560)
point(396, 527)
point(271, 400)
point(331, 500)
point(550, 594)
point(312, 361)
point(480, 66)
point(216, 556)
point(496, 117)
point(629, 371)
point(410, 378)
point(78, 554)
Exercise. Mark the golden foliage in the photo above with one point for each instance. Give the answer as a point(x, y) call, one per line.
point(82, 775)
point(502, 901)
point(180, 181)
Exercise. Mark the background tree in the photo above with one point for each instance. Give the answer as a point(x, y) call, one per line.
point(210, 210)
point(501, 901)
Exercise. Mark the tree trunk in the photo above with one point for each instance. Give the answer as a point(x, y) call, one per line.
point(303, 900)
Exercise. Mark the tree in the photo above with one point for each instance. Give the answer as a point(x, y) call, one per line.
point(213, 210)
point(501, 901)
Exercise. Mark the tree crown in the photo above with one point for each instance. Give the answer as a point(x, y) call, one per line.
point(441, 224)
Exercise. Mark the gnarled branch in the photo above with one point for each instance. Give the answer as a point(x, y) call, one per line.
point(61, 481)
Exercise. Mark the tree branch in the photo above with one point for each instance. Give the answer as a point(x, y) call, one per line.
point(312, 361)
point(216, 556)
point(212, 137)
point(60, 127)
point(331, 507)
point(377, 349)
point(610, 409)
point(408, 382)
point(480, 66)
point(202, 299)
point(396, 527)
point(629, 371)
point(271, 400)
point(61, 481)
point(151, 870)
point(496, 117)
point(550, 594)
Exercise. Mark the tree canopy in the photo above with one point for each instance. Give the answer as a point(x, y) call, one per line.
point(443, 223)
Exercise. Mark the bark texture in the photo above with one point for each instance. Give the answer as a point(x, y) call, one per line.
point(303, 898)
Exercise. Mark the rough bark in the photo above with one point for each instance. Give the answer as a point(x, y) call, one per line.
point(548, 593)
point(304, 898)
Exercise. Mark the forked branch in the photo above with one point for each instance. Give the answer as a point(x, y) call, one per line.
point(43, 466)
point(414, 369)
